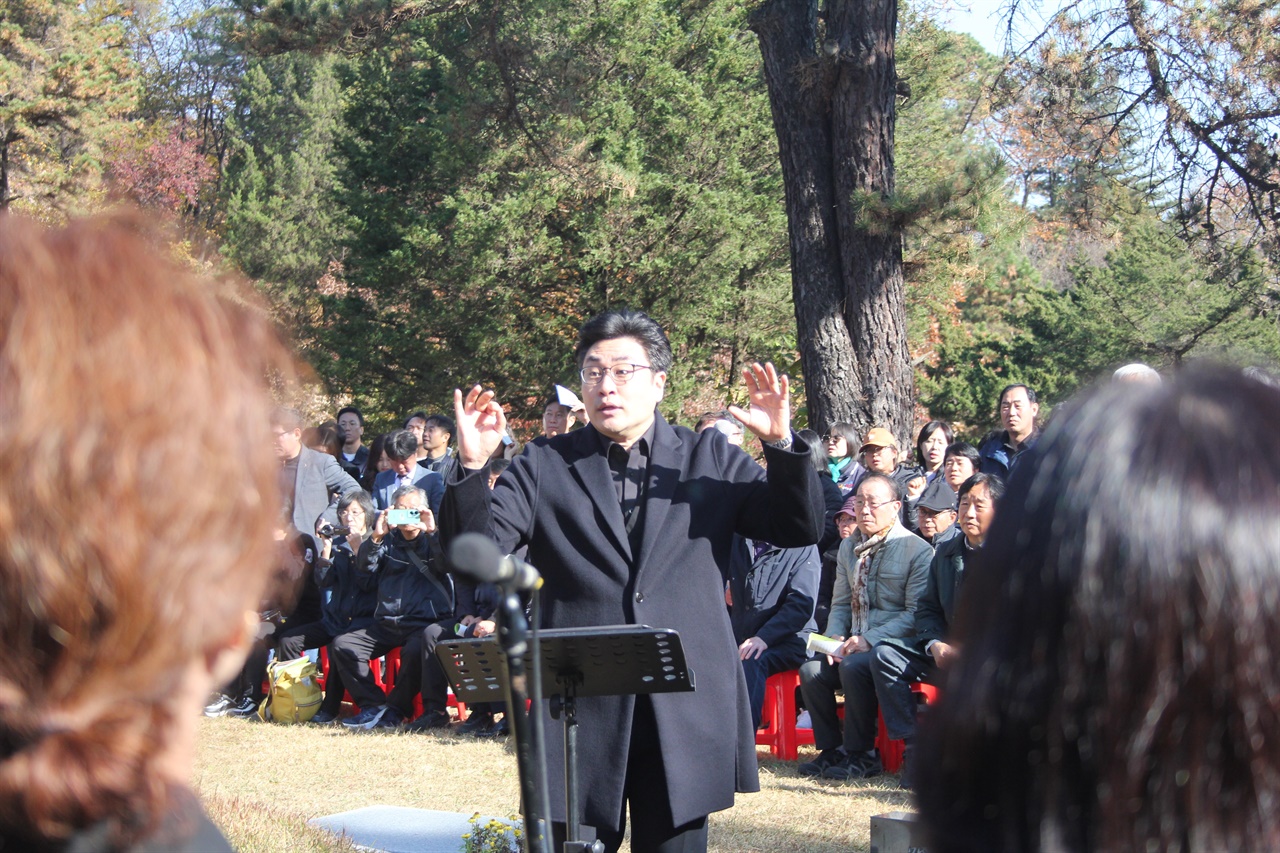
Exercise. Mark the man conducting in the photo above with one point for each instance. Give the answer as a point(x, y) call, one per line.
point(630, 521)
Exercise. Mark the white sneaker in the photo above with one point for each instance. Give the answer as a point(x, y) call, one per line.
point(803, 721)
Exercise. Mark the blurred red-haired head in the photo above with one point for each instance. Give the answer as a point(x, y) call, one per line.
point(131, 547)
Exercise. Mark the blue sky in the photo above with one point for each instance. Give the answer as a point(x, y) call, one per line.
point(982, 19)
point(978, 18)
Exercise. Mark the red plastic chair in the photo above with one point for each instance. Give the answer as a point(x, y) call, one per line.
point(390, 669)
point(891, 750)
point(778, 720)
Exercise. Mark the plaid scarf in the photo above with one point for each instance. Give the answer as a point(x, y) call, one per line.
point(863, 552)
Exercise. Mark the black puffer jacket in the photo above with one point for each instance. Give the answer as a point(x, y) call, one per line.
point(408, 597)
point(355, 592)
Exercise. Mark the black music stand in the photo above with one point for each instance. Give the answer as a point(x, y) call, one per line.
point(610, 660)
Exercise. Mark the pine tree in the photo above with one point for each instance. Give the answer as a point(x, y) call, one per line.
point(514, 171)
point(66, 77)
point(285, 226)
point(1152, 298)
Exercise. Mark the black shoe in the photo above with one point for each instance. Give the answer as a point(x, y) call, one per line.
point(219, 706)
point(826, 758)
point(477, 724)
point(431, 720)
point(243, 708)
point(389, 720)
point(368, 718)
point(322, 718)
point(860, 765)
point(502, 728)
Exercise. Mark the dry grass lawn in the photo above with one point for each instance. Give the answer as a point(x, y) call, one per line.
point(261, 783)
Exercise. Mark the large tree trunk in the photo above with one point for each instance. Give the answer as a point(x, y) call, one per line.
point(832, 92)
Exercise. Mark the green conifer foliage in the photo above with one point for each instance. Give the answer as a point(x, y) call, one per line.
point(1152, 299)
point(284, 225)
point(516, 169)
point(66, 75)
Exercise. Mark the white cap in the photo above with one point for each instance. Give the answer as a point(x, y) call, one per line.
point(565, 397)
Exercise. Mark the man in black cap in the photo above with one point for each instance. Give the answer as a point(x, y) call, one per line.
point(936, 513)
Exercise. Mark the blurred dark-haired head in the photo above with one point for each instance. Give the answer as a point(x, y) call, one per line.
point(1116, 688)
point(817, 451)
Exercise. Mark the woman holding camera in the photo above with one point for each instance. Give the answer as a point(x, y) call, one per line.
point(350, 595)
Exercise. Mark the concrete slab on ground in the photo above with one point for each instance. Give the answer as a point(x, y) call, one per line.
point(896, 832)
point(396, 829)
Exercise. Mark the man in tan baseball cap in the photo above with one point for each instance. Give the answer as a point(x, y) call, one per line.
point(880, 451)
point(880, 456)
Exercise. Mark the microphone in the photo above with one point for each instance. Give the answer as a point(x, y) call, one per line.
point(478, 557)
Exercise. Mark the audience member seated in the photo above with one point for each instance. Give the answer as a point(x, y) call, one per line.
point(481, 720)
point(508, 448)
point(931, 447)
point(830, 491)
point(292, 593)
point(901, 663)
point(421, 673)
point(402, 450)
point(881, 575)
point(771, 598)
point(481, 622)
point(493, 470)
point(846, 470)
point(960, 463)
point(936, 512)
point(124, 582)
point(1019, 412)
point(880, 455)
point(1128, 702)
point(412, 594)
point(351, 599)
point(846, 525)
point(354, 457)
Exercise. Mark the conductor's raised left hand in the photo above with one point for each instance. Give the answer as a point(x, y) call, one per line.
point(769, 413)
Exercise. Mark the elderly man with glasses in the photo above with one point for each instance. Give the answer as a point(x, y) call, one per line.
point(881, 572)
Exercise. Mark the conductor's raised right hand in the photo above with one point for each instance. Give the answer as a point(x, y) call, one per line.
point(481, 424)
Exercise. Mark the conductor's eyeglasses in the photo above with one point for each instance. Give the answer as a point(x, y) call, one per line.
point(621, 373)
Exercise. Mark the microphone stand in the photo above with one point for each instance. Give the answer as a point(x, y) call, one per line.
point(514, 637)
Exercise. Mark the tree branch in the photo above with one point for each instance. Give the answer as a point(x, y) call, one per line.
point(1175, 112)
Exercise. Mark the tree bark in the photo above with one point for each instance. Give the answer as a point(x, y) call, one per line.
point(832, 94)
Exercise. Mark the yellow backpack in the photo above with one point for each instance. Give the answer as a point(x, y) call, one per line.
point(295, 693)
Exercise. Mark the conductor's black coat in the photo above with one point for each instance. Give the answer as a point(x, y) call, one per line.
point(558, 499)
